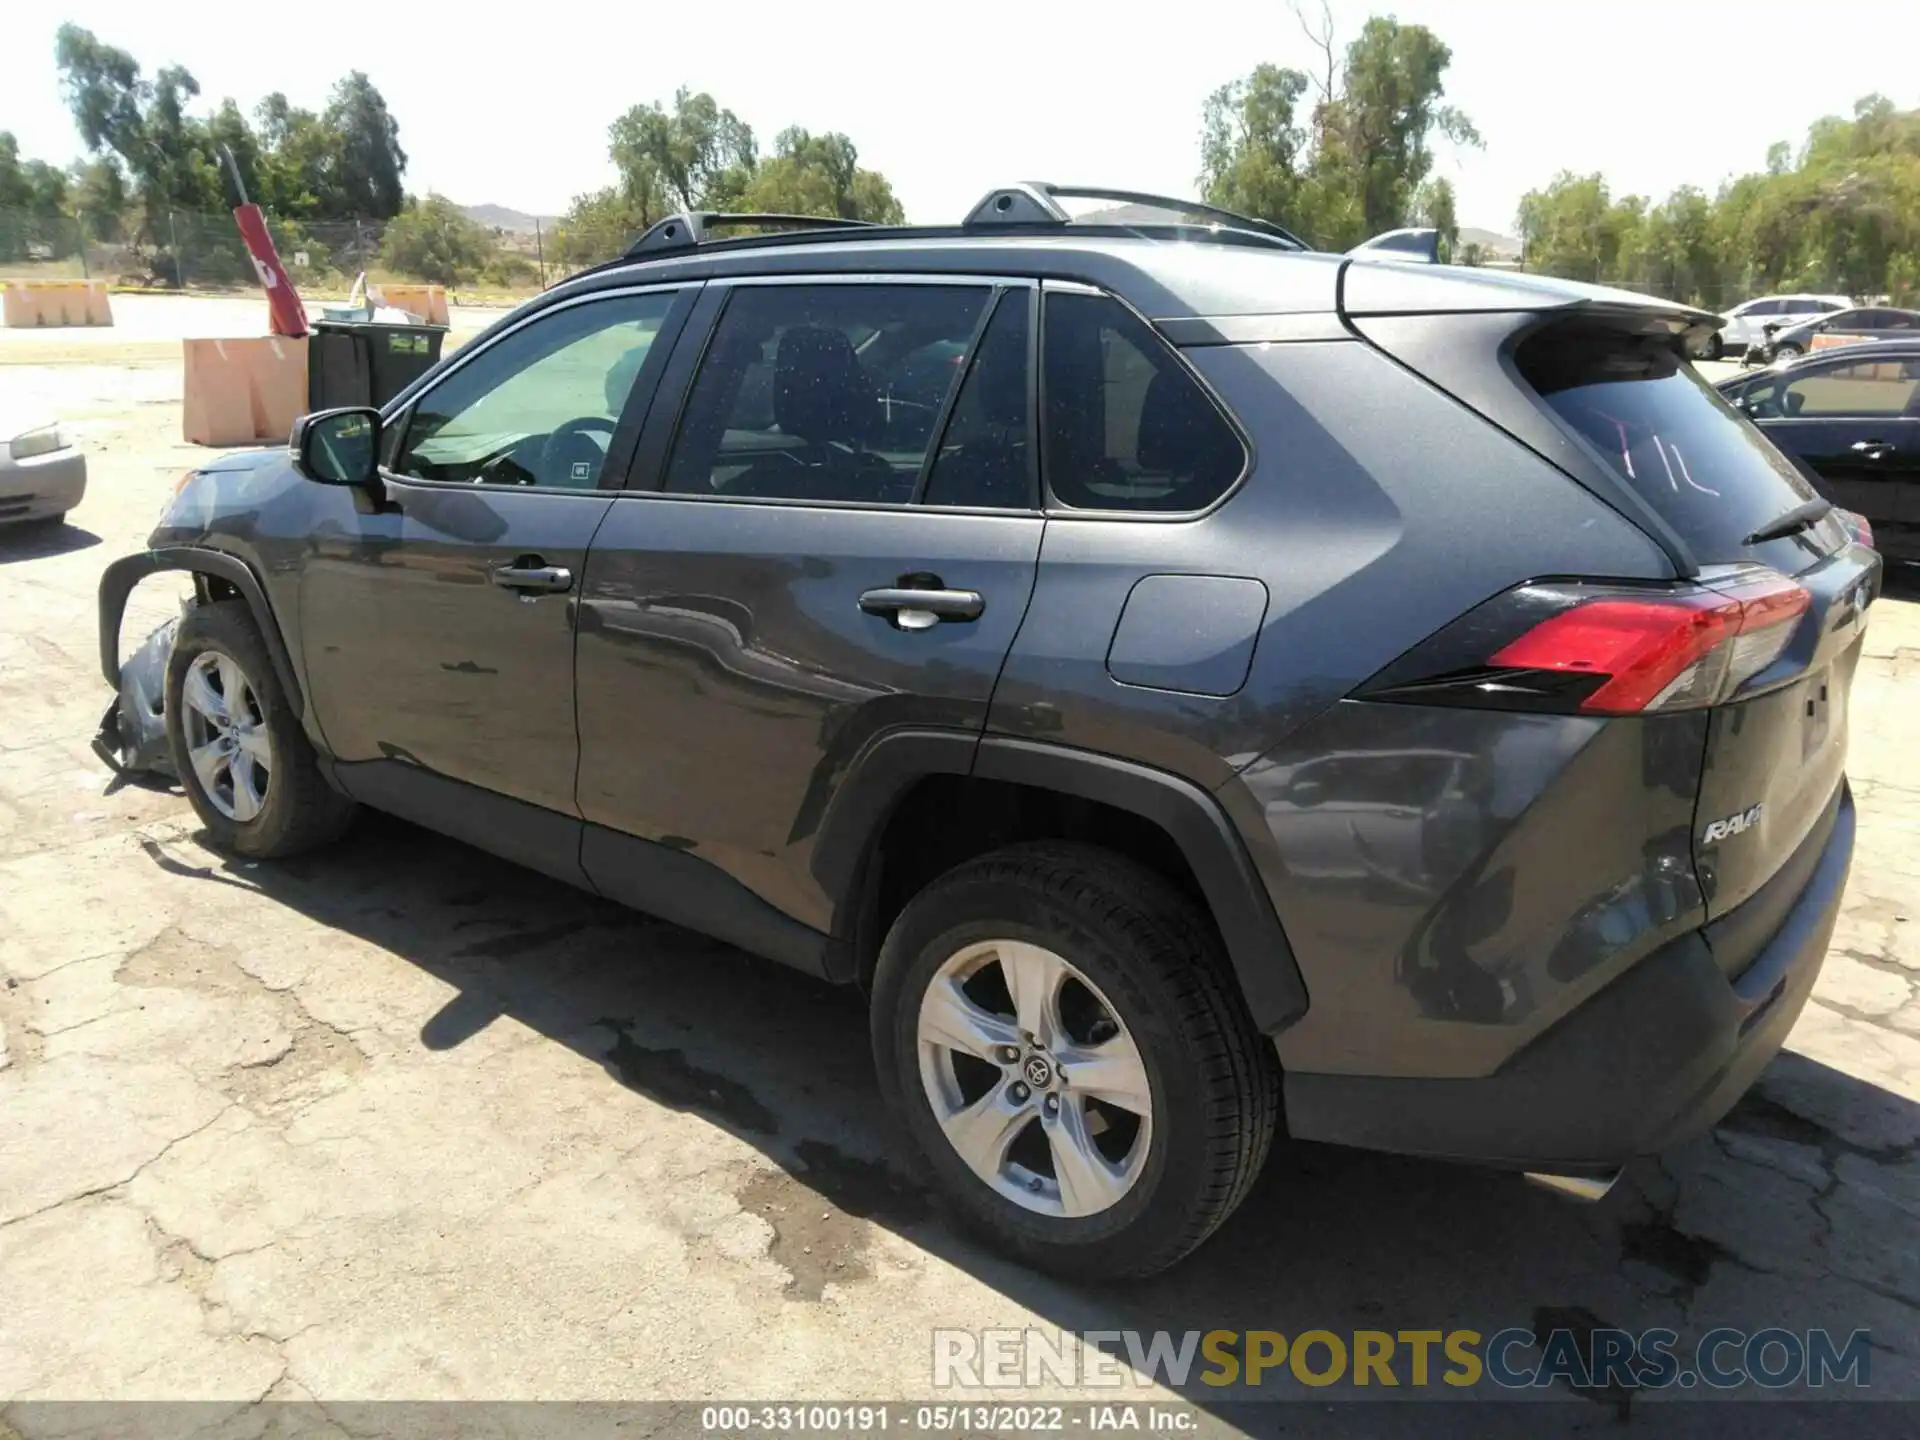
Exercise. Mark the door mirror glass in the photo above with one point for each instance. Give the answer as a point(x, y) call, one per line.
point(338, 447)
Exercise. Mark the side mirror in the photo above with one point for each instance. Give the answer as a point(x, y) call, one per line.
point(337, 447)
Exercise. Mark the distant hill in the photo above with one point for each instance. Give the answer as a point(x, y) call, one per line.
point(1503, 247)
point(500, 217)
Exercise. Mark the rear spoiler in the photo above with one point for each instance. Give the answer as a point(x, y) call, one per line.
point(1420, 243)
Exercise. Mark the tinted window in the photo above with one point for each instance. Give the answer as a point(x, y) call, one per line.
point(823, 392)
point(1127, 428)
point(1864, 387)
point(1821, 307)
point(1708, 472)
point(539, 407)
point(985, 456)
point(1764, 308)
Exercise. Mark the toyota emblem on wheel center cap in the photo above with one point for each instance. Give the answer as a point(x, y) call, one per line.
point(1039, 1072)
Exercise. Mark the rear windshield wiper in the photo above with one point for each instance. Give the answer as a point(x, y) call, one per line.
point(1806, 513)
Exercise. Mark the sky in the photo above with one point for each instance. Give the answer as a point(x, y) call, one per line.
point(949, 101)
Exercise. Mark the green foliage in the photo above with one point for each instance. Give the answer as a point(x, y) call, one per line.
point(433, 241)
point(1841, 215)
point(1359, 163)
point(701, 156)
point(346, 162)
point(819, 175)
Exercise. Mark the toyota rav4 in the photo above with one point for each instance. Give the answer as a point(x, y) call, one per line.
point(1195, 686)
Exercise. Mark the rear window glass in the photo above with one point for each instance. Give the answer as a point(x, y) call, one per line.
point(1703, 467)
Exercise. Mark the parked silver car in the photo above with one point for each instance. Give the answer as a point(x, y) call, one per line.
point(42, 472)
point(1746, 322)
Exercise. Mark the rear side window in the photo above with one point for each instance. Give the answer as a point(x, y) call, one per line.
point(1127, 427)
point(1706, 470)
point(824, 392)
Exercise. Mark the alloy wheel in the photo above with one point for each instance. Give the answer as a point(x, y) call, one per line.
point(226, 732)
point(1034, 1078)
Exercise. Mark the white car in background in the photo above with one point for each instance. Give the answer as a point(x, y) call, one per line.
point(1746, 323)
point(43, 475)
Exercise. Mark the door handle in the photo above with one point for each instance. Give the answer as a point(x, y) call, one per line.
point(1871, 449)
point(532, 578)
point(918, 609)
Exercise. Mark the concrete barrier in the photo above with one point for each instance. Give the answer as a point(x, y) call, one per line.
point(429, 302)
point(25, 304)
point(244, 390)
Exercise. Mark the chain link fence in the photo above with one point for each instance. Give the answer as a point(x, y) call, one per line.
point(181, 250)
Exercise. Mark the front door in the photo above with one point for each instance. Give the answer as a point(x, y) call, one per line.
point(840, 542)
point(1856, 423)
point(438, 632)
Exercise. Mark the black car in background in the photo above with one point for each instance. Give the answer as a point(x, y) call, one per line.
point(1851, 417)
point(1863, 322)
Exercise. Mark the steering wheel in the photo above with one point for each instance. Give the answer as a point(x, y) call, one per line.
point(554, 450)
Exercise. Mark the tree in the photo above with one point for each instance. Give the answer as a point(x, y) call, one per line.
point(1840, 214)
point(1359, 164)
point(698, 157)
point(370, 162)
point(1251, 145)
point(1435, 205)
point(100, 197)
point(1376, 133)
point(433, 240)
point(819, 175)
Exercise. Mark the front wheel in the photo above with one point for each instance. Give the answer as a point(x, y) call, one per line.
point(1056, 1027)
point(246, 765)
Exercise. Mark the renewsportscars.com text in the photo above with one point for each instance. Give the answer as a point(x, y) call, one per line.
point(1514, 1358)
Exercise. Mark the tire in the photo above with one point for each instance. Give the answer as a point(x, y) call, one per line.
point(1785, 353)
point(1136, 949)
point(286, 807)
point(1714, 348)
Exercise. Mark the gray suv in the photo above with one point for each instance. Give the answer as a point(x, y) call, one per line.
point(1193, 685)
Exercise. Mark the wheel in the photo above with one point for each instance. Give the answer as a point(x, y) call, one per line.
point(1714, 347)
point(1783, 354)
point(242, 758)
point(1056, 1028)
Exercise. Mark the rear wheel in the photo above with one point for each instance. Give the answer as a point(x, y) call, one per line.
point(246, 765)
point(1787, 351)
point(1056, 1027)
point(1713, 347)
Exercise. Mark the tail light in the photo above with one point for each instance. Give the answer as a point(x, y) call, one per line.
point(1604, 650)
point(1857, 526)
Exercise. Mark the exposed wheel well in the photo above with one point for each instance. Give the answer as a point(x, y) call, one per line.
point(945, 820)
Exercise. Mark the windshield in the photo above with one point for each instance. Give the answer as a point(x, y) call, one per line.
point(1704, 468)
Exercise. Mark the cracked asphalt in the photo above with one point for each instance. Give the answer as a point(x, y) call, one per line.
point(400, 1121)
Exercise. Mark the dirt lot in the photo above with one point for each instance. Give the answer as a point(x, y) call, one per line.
point(398, 1120)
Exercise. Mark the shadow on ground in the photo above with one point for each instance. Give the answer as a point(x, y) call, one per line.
point(38, 539)
point(1331, 1239)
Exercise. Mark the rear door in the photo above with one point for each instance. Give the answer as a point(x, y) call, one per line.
point(1776, 749)
point(836, 538)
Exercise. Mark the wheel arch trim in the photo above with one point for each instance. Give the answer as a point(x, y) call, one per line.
point(1256, 944)
point(119, 578)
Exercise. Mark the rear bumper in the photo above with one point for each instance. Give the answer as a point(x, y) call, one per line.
point(41, 486)
point(1659, 1055)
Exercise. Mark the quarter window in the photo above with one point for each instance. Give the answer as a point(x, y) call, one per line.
point(1127, 428)
point(824, 392)
point(538, 407)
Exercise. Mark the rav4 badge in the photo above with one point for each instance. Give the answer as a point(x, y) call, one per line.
point(1732, 825)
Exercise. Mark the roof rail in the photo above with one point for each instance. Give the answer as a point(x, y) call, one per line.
point(1037, 202)
point(692, 228)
